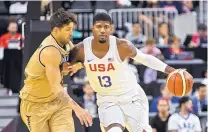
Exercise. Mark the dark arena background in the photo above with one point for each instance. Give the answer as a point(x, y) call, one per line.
point(174, 31)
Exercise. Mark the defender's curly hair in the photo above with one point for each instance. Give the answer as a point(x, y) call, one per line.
point(61, 17)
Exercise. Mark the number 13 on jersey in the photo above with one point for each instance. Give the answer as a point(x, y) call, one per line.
point(105, 81)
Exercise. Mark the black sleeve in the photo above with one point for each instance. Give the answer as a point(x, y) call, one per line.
point(153, 122)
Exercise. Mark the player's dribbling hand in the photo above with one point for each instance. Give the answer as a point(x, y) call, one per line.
point(83, 116)
point(189, 76)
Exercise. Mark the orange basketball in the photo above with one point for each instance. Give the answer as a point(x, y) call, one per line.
point(179, 83)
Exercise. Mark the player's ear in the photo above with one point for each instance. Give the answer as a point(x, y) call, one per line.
point(112, 28)
point(55, 29)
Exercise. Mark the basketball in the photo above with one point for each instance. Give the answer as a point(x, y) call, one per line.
point(179, 83)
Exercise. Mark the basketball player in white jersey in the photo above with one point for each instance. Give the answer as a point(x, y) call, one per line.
point(121, 101)
point(184, 121)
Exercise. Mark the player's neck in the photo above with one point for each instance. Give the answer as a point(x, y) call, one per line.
point(97, 45)
point(57, 40)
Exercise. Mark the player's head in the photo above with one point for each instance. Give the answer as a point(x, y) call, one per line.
point(12, 27)
point(62, 25)
point(185, 103)
point(202, 91)
point(102, 27)
point(163, 106)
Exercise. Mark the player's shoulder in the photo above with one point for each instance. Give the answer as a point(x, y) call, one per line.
point(50, 51)
point(123, 43)
point(79, 46)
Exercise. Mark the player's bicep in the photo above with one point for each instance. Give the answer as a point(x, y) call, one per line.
point(130, 50)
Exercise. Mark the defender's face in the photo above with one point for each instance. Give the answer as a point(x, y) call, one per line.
point(65, 32)
point(102, 30)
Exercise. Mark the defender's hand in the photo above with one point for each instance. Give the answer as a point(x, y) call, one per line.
point(83, 116)
point(74, 68)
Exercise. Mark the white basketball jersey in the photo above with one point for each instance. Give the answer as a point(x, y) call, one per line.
point(180, 123)
point(108, 75)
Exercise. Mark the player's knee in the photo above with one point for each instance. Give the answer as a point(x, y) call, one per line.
point(114, 128)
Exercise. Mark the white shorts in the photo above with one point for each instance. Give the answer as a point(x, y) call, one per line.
point(131, 110)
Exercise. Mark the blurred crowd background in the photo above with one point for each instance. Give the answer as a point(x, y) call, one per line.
point(173, 31)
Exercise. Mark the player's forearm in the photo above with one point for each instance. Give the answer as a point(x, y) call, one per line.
point(71, 102)
point(152, 62)
point(54, 77)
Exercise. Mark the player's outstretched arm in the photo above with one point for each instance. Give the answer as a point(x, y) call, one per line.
point(145, 59)
point(51, 59)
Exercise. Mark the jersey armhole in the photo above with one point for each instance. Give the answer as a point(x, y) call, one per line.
point(42, 50)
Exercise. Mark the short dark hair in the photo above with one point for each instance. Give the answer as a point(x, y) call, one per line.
point(183, 100)
point(102, 17)
point(61, 17)
point(201, 86)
